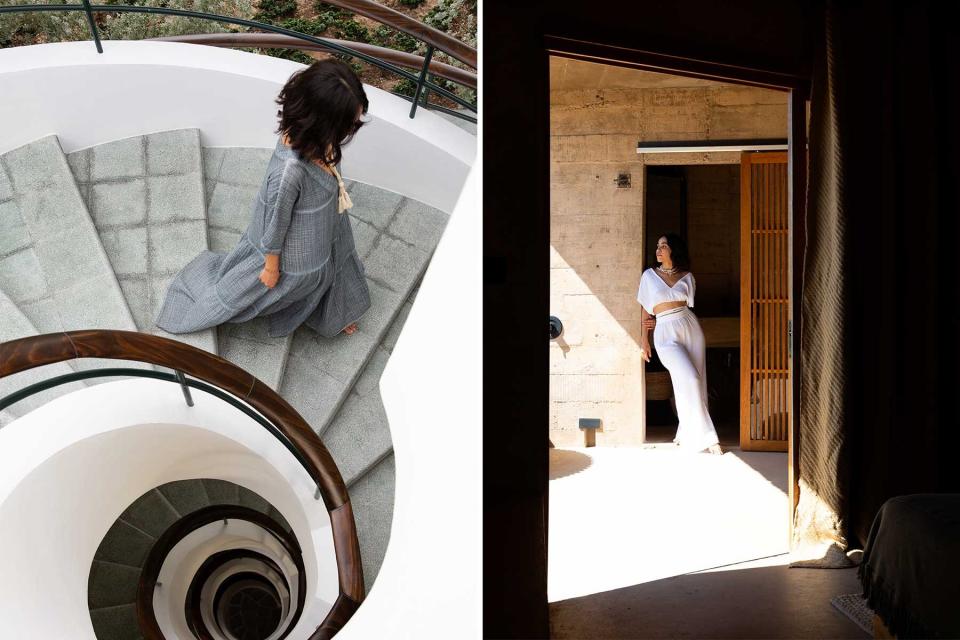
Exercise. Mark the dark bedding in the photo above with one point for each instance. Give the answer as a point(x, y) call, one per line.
point(911, 565)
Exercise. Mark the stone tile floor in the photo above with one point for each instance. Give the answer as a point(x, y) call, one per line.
point(656, 543)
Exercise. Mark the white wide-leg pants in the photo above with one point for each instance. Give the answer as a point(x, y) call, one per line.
point(679, 341)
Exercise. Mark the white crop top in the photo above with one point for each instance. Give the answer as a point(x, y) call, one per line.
point(654, 291)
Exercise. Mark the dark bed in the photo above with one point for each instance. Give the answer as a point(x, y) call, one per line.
point(911, 566)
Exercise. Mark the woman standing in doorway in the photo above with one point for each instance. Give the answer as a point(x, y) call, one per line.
point(667, 292)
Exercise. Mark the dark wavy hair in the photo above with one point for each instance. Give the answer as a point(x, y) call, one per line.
point(679, 254)
point(318, 109)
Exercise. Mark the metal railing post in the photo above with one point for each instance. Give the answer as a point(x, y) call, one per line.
point(183, 385)
point(420, 80)
point(93, 25)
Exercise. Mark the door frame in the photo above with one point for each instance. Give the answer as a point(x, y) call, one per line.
point(798, 89)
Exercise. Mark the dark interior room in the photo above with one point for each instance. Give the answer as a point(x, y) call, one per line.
point(874, 276)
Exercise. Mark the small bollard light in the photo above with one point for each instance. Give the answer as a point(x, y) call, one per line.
point(589, 427)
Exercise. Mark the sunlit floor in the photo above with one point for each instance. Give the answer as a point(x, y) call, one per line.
point(627, 524)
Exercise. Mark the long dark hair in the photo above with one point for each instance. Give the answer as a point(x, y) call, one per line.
point(679, 254)
point(318, 109)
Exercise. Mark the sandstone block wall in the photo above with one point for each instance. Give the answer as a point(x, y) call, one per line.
point(598, 115)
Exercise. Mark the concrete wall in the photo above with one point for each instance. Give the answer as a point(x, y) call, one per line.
point(598, 114)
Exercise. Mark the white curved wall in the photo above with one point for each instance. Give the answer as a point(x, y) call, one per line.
point(69, 468)
point(429, 583)
point(134, 88)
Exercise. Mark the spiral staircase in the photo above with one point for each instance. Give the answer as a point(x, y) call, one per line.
point(91, 240)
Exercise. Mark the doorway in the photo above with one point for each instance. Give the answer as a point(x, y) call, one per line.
point(700, 203)
point(607, 195)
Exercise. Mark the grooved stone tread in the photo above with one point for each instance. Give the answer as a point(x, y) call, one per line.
point(186, 496)
point(359, 435)
point(125, 544)
point(56, 269)
point(116, 623)
point(364, 452)
point(232, 177)
point(13, 325)
point(111, 584)
point(221, 491)
point(151, 513)
point(372, 501)
point(145, 195)
point(407, 234)
point(253, 501)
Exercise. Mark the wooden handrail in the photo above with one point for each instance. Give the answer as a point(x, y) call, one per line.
point(279, 40)
point(35, 351)
point(401, 22)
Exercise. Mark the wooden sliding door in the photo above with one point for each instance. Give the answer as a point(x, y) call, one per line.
point(765, 389)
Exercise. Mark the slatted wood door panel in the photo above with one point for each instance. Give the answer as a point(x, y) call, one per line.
point(765, 390)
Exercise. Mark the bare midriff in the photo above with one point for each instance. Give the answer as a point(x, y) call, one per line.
point(666, 306)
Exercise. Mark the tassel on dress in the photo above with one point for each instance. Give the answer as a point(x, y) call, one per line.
point(344, 201)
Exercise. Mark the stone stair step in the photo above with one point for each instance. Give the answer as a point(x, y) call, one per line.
point(55, 268)
point(13, 325)
point(116, 623)
point(359, 435)
point(125, 544)
point(254, 501)
point(359, 438)
point(111, 584)
point(185, 496)
point(150, 513)
point(249, 345)
point(406, 234)
point(372, 501)
point(275, 514)
point(232, 177)
point(221, 491)
point(145, 195)
point(333, 383)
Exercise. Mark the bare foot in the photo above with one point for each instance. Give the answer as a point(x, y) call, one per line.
point(715, 450)
point(352, 329)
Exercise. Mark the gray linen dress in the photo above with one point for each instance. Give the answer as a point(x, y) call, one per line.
point(322, 281)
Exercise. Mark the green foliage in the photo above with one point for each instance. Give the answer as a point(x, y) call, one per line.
point(384, 36)
point(304, 25)
point(403, 42)
point(331, 11)
point(405, 87)
point(20, 29)
point(290, 54)
point(442, 15)
point(270, 11)
point(28, 28)
point(350, 29)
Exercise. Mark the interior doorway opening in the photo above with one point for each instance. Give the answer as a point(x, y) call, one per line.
point(613, 193)
point(701, 204)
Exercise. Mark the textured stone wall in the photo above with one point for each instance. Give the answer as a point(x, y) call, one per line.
point(598, 115)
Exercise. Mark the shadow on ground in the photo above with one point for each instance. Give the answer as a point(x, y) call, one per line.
point(566, 463)
point(763, 602)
